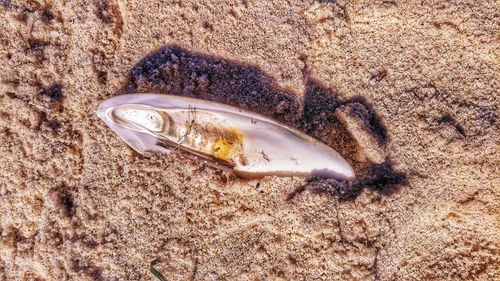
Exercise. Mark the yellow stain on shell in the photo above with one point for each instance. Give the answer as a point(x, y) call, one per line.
point(228, 145)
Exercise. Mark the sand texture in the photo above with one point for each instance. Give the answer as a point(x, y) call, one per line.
point(407, 91)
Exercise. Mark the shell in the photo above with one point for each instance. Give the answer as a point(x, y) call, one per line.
point(250, 144)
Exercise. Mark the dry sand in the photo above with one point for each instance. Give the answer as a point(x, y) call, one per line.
point(407, 91)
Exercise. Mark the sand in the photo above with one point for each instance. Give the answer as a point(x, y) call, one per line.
point(407, 91)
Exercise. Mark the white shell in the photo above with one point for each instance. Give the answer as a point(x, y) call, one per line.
point(252, 145)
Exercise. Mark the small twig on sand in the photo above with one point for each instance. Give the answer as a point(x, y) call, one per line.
point(155, 272)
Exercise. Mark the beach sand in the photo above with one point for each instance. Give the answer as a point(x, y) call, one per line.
point(406, 91)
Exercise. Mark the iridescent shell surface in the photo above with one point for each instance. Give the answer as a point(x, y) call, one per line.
point(250, 144)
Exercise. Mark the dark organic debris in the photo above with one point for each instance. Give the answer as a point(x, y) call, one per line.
point(88, 268)
point(47, 15)
point(68, 203)
point(377, 77)
point(54, 92)
point(448, 119)
point(8, 5)
point(109, 12)
point(36, 48)
point(155, 272)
